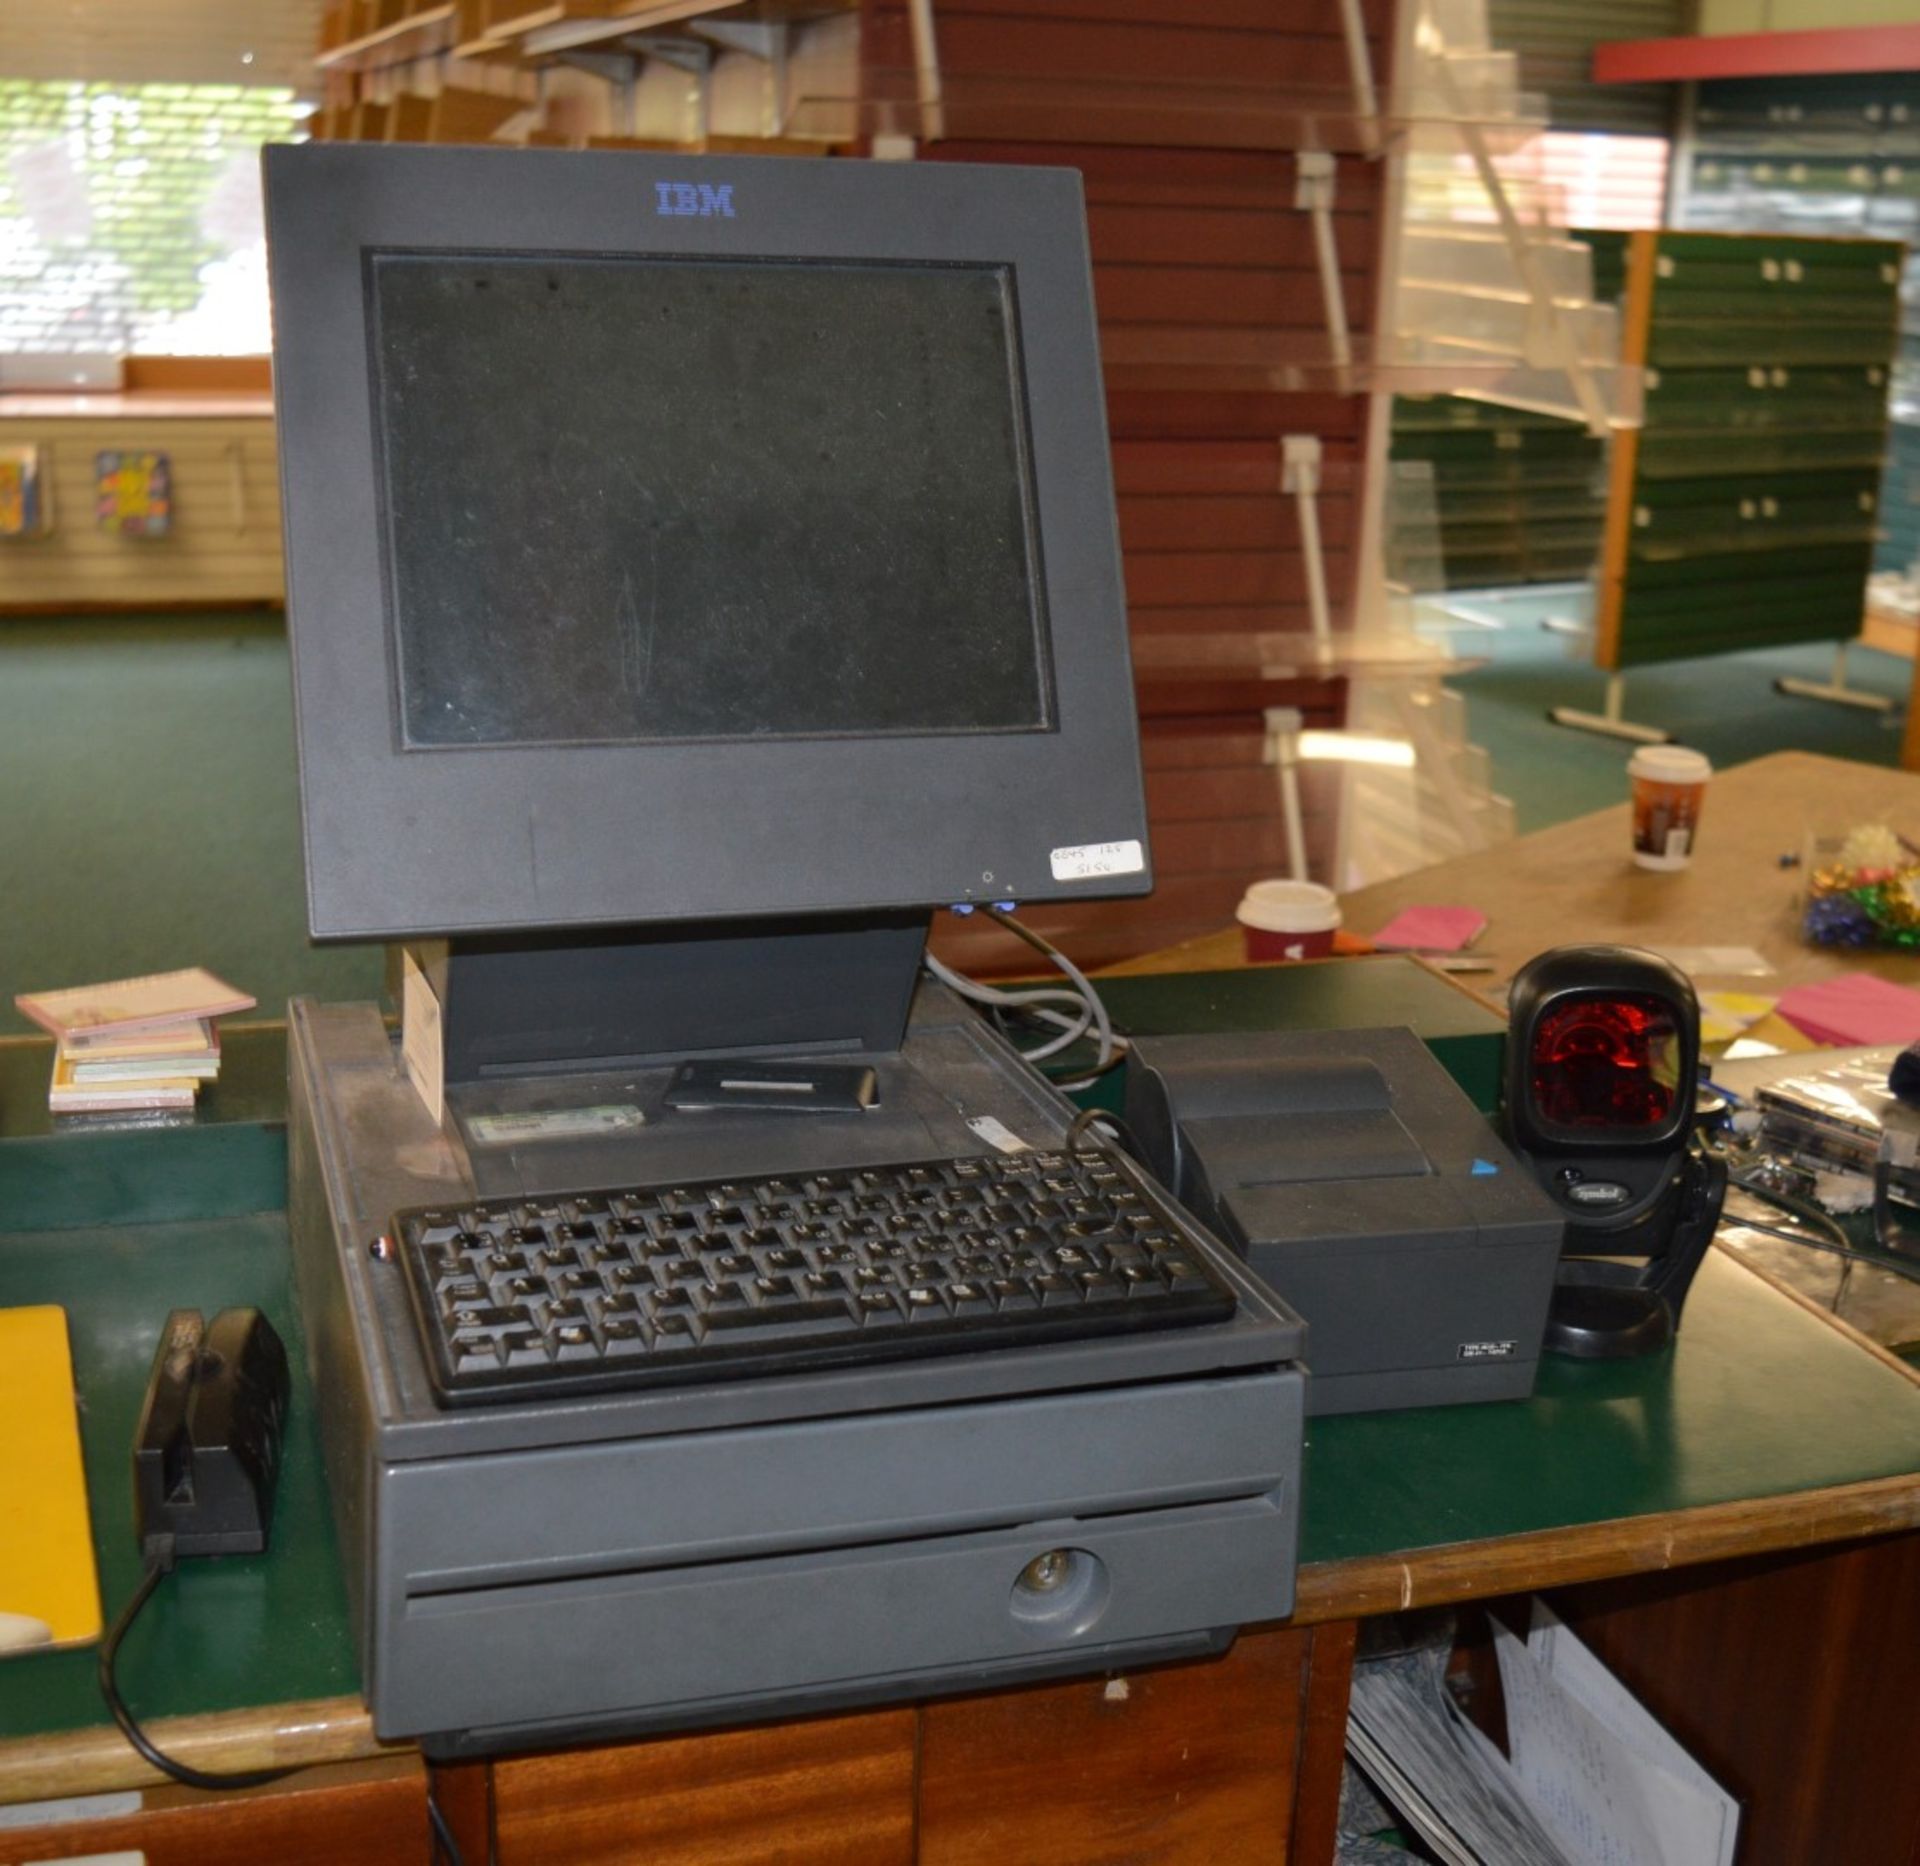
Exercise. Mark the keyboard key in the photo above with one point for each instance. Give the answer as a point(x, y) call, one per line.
point(573, 1342)
point(622, 1339)
point(803, 1320)
point(476, 1354)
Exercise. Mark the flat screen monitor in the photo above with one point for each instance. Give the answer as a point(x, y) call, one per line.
point(683, 540)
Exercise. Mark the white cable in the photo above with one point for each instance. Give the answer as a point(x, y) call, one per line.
point(1031, 1000)
point(1102, 1022)
point(1035, 999)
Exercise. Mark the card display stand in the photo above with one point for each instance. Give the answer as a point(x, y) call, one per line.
point(1745, 512)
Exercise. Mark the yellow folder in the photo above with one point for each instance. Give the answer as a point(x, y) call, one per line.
point(49, 1587)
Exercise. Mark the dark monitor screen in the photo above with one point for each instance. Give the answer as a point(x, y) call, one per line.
point(675, 539)
point(641, 499)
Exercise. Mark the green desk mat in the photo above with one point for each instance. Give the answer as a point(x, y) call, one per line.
point(1759, 1398)
point(219, 1634)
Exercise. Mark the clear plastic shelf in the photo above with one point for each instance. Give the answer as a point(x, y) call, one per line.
point(1181, 359)
point(974, 106)
point(1361, 654)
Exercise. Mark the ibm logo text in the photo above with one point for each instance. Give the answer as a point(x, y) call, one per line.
point(688, 197)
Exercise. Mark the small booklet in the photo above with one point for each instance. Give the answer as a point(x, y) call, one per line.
point(195, 1037)
point(130, 1004)
point(171, 1050)
point(67, 1096)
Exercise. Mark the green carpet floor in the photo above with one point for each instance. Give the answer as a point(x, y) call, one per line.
point(1724, 707)
point(151, 816)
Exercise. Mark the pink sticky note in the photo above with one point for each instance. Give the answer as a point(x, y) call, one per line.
point(1431, 929)
point(1853, 1011)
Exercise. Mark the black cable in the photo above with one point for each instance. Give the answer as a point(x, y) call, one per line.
point(181, 1772)
point(444, 1844)
point(1038, 941)
point(1088, 1119)
point(1808, 1213)
point(1078, 1072)
point(1828, 1236)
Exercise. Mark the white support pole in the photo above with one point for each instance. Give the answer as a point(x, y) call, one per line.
point(1313, 192)
point(1835, 692)
point(1300, 475)
point(1366, 100)
point(1610, 723)
point(1283, 753)
point(926, 69)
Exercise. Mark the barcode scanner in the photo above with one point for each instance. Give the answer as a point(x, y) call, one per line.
point(1603, 1051)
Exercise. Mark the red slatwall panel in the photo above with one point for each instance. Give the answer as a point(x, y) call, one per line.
point(1198, 239)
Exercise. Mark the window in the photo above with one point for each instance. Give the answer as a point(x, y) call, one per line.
point(130, 216)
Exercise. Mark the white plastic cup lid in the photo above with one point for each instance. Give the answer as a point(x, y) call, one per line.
point(1669, 764)
point(1289, 907)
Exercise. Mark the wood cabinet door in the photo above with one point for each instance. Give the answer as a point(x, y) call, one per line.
point(1224, 1760)
point(832, 1791)
point(1794, 1680)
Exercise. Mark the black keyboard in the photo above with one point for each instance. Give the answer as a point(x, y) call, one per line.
point(724, 1279)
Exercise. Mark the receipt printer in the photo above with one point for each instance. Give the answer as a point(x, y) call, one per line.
point(1365, 1189)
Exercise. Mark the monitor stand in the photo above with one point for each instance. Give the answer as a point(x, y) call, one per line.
point(521, 1005)
point(560, 1053)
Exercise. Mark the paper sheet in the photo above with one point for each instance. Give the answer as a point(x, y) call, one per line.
point(1853, 1010)
point(1613, 1786)
point(1431, 929)
point(422, 1042)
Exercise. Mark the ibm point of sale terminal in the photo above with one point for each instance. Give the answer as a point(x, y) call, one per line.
point(699, 571)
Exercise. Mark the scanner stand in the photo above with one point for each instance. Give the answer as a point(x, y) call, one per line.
point(1615, 1307)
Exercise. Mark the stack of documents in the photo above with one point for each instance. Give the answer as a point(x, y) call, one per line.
point(1592, 1778)
point(135, 1043)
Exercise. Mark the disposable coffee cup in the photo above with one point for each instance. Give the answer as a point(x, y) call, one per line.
point(1288, 920)
point(1669, 788)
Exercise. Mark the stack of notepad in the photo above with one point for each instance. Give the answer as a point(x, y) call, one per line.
point(137, 1043)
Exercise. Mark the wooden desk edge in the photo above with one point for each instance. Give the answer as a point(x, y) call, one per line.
point(96, 1761)
point(1484, 1570)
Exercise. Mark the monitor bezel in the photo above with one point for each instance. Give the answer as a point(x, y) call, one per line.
point(407, 842)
